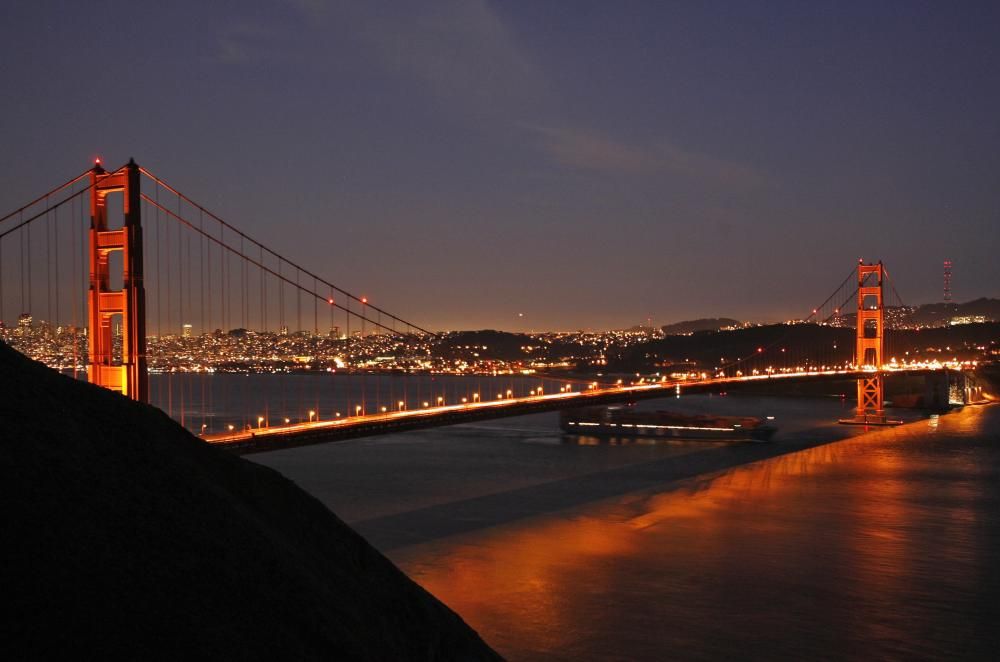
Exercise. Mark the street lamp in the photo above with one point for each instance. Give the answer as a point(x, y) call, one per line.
point(401, 405)
point(357, 410)
point(260, 421)
point(311, 414)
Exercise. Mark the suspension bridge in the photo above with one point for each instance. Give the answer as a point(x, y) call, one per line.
point(117, 277)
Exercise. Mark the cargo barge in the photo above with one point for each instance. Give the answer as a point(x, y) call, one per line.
point(628, 422)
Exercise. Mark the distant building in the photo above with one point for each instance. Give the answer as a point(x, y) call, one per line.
point(186, 330)
point(968, 319)
point(24, 320)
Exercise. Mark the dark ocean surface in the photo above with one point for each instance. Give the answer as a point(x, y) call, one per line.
point(826, 543)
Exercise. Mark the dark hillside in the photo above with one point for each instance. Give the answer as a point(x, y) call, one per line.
point(820, 344)
point(124, 537)
point(693, 326)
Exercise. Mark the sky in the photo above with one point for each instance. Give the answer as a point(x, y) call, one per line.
point(541, 165)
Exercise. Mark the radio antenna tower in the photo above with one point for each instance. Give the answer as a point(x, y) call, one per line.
point(947, 281)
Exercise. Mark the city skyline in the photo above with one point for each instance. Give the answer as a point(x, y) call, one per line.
point(478, 165)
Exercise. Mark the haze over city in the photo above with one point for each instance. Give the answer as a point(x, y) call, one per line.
point(542, 165)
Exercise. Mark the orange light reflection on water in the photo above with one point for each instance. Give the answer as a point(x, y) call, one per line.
point(838, 527)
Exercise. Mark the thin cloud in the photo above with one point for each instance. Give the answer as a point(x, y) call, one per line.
point(586, 150)
point(589, 150)
point(471, 62)
point(245, 42)
point(461, 50)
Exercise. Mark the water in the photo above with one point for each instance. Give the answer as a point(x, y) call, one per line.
point(216, 401)
point(875, 546)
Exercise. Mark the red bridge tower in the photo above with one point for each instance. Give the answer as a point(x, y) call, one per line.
point(104, 304)
point(870, 347)
point(870, 340)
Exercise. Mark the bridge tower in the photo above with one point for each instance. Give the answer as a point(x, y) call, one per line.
point(103, 304)
point(870, 341)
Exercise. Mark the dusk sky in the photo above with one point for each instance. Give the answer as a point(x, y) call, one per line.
point(587, 164)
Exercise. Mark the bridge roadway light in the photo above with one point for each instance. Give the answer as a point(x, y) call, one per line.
point(440, 400)
point(384, 409)
point(510, 392)
point(287, 420)
point(426, 404)
point(475, 397)
point(260, 421)
point(312, 414)
point(401, 405)
point(357, 410)
point(230, 427)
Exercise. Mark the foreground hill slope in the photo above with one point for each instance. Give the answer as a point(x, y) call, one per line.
point(125, 536)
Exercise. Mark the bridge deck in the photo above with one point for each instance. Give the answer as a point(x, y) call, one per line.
point(307, 433)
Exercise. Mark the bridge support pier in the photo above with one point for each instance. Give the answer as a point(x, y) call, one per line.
point(951, 388)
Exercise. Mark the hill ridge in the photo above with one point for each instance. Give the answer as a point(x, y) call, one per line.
point(127, 536)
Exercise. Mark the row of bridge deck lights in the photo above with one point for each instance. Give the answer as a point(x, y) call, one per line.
point(440, 402)
point(401, 405)
point(509, 395)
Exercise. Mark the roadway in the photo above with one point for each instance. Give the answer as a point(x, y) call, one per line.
point(320, 431)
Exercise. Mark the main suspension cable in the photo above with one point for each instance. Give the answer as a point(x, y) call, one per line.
point(279, 256)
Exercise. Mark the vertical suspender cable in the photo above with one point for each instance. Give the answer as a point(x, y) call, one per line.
point(30, 261)
point(73, 270)
point(55, 232)
point(24, 262)
point(48, 264)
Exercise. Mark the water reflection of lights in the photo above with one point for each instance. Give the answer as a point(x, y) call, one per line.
point(851, 518)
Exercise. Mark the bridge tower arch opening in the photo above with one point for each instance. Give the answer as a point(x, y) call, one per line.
point(106, 306)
